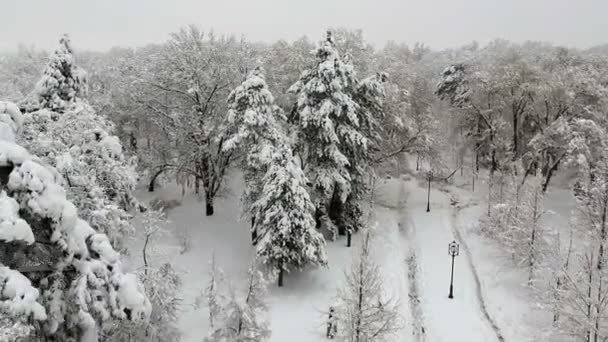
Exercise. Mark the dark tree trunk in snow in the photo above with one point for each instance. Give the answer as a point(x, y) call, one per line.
point(549, 175)
point(281, 271)
point(336, 212)
point(208, 204)
point(197, 185)
point(600, 259)
point(254, 232)
point(151, 186)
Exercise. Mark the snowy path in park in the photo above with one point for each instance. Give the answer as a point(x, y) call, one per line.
point(458, 319)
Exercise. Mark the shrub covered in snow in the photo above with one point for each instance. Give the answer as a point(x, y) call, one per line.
point(55, 268)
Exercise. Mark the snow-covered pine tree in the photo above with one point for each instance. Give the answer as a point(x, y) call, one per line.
point(243, 317)
point(327, 119)
point(369, 94)
point(253, 127)
point(61, 84)
point(68, 134)
point(366, 313)
point(54, 267)
point(284, 216)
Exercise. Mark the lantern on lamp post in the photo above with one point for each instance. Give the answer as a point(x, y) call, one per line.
point(429, 177)
point(453, 250)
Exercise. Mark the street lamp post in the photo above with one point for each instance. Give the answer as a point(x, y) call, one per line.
point(429, 177)
point(453, 250)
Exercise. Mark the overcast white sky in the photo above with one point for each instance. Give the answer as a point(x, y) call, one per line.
point(101, 24)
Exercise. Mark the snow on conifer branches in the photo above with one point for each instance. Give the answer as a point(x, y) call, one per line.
point(284, 214)
point(82, 283)
point(71, 136)
point(276, 194)
point(327, 114)
point(336, 116)
point(62, 81)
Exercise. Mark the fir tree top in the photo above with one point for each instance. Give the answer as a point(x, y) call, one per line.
point(62, 81)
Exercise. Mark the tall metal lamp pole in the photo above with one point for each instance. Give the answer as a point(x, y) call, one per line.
point(453, 250)
point(429, 176)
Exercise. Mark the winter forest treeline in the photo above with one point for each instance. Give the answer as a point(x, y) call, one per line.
point(309, 125)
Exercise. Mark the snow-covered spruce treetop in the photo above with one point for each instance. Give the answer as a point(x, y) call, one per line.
point(327, 117)
point(53, 266)
point(252, 113)
point(62, 81)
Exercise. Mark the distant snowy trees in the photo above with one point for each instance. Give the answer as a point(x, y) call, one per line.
point(56, 268)
point(524, 112)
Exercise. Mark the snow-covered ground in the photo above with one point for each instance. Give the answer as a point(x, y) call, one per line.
point(411, 246)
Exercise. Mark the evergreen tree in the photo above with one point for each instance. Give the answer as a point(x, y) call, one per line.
point(54, 267)
point(68, 134)
point(253, 128)
point(284, 216)
point(369, 94)
point(61, 84)
point(328, 125)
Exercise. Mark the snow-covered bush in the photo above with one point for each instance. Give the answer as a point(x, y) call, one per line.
point(163, 286)
point(239, 316)
point(55, 267)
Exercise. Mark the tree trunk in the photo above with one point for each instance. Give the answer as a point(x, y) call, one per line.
point(133, 141)
point(549, 175)
point(197, 185)
point(515, 134)
point(281, 271)
point(598, 311)
point(208, 204)
point(336, 212)
point(144, 254)
point(473, 183)
point(254, 232)
point(589, 297)
point(600, 261)
point(151, 186)
point(533, 239)
point(490, 194)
